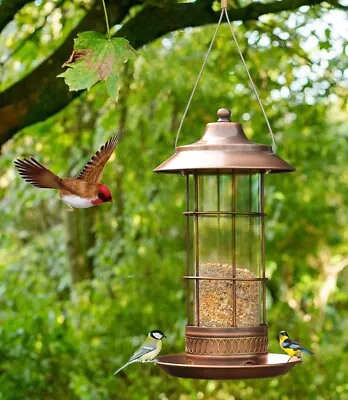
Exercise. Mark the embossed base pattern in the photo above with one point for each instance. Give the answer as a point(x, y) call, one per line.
point(227, 346)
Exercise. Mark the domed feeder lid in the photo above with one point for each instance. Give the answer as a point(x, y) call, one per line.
point(224, 148)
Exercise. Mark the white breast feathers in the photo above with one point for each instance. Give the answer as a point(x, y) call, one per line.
point(77, 202)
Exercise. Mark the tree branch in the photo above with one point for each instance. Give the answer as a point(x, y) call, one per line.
point(155, 22)
point(329, 283)
point(40, 94)
point(8, 8)
point(31, 35)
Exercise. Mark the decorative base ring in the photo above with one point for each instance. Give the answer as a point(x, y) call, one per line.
point(241, 345)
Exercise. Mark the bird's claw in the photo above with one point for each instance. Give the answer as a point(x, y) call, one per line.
point(297, 358)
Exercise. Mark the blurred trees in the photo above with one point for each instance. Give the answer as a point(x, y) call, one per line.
point(62, 336)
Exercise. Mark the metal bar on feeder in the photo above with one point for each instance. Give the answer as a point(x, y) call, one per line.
point(188, 249)
point(196, 252)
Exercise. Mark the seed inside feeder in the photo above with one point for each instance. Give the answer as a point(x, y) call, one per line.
point(216, 297)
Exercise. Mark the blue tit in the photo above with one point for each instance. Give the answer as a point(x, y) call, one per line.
point(291, 347)
point(148, 351)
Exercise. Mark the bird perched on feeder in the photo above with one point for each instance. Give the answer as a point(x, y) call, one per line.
point(148, 351)
point(291, 347)
point(85, 190)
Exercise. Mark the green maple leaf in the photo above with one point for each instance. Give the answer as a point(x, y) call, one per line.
point(96, 58)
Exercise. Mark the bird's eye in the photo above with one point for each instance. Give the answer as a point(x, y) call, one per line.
point(102, 196)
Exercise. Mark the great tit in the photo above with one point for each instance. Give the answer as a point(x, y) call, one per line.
point(291, 347)
point(148, 351)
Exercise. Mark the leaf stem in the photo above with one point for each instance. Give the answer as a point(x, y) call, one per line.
point(108, 36)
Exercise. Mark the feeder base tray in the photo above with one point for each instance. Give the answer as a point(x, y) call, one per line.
point(182, 367)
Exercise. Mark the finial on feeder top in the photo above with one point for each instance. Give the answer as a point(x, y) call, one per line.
point(223, 3)
point(224, 115)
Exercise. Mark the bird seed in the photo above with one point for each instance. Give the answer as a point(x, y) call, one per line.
point(216, 297)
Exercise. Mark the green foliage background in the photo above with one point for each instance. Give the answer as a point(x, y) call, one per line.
point(61, 339)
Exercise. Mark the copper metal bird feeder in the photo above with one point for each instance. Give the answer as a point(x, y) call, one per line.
point(227, 334)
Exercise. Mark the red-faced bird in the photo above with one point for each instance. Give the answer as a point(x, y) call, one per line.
point(291, 347)
point(85, 190)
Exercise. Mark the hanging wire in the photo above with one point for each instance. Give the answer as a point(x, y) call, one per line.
point(198, 78)
point(224, 11)
point(251, 80)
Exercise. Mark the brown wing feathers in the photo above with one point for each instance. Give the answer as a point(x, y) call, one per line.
point(93, 170)
point(36, 174)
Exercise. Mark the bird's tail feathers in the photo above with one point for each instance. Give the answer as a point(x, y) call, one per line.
point(36, 174)
point(124, 366)
point(307, 351)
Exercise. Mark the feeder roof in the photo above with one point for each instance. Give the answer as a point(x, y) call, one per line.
point(224, 148)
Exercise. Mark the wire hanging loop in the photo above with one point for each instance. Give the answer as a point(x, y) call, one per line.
point(198, 78)
point(224, 10)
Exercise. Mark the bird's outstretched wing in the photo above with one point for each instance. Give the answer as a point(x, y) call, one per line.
point(93, 170)
point(36, 174)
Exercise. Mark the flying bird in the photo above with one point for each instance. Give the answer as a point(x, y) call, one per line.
point(85, 190)
point(148, 351)
point(291, 347)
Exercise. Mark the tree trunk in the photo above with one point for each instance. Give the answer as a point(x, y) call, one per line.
point(80, 239)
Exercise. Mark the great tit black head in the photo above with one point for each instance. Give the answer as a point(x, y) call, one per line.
point(156, 334)
point(283, 333)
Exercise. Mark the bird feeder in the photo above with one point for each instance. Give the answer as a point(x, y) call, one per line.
point(226, 336)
